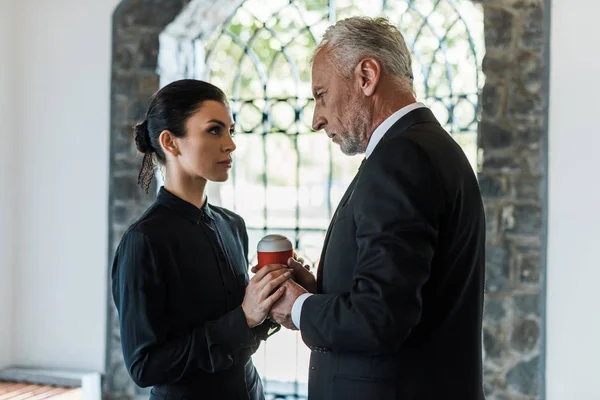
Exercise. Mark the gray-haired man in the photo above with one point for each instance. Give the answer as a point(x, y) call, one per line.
point(396, 309)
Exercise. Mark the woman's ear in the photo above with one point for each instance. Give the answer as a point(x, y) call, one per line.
point(168, 143)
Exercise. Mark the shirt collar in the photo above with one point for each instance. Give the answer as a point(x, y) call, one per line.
point(182, 207)
point(387, 124)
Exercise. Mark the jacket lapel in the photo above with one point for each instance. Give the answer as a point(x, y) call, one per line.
point(420, 115)
point(343, 201)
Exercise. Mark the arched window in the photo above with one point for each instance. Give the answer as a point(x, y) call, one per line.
point(288, 179)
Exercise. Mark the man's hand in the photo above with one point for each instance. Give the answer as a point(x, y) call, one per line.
point(302, 275)
point(282, 310)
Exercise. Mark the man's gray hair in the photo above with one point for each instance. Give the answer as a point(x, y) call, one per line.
point(352, 39)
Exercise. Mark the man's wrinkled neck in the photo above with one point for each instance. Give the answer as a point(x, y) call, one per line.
point(385, 105)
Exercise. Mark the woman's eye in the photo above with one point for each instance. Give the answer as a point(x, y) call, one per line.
point(232, 133)
point(215, 130)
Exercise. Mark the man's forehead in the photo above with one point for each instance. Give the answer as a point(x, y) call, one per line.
point(319, 68)
point(321, 58)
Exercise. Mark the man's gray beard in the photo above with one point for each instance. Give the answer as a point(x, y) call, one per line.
point(352, 143)
point(351, 146)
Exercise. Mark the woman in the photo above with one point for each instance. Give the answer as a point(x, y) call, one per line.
point(190, 317)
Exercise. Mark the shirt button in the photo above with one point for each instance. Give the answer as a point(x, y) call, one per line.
point(313, 368)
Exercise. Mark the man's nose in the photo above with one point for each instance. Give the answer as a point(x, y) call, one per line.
point(318, 122)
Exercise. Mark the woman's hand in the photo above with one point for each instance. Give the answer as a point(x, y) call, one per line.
point(263, 291)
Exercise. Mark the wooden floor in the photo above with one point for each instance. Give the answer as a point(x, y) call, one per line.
point(23, 391)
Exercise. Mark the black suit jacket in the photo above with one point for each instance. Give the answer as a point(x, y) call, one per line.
point(398, 312)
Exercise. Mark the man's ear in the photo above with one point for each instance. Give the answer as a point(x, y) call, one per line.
point(368, 72)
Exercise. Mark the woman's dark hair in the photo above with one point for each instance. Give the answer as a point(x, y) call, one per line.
point(169, 109)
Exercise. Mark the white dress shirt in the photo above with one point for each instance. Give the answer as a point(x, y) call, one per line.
point(373, 141)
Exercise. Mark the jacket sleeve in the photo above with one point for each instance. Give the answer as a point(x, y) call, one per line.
point(151, 356)
point(397, 202)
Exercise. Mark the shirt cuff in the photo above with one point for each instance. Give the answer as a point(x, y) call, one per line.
point(297, 308)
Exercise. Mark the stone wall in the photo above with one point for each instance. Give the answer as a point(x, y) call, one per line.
point(136, 28)
point(512, 177)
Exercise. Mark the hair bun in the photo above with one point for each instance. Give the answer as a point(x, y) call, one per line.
point(142, 137)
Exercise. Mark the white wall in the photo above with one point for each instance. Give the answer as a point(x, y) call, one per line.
point(54, 111)
point(7, 190)
point(63, 89)
point(573, 358)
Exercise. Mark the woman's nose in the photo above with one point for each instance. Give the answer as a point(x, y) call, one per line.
point(229, 145)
